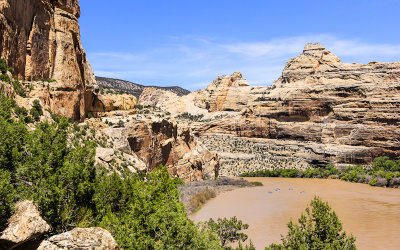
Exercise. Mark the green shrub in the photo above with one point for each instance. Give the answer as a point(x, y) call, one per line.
point(19, 89)
point(373, 182)
point(386, 164)
point(3, 66)
point(120, 124)
point(5, 78)
point(318, 228)
point(228, 230)
point(36, 110)
point(7, 197)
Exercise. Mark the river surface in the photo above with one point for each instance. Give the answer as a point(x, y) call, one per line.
point(372, 214)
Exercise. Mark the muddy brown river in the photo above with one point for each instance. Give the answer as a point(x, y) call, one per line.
point(372, 214)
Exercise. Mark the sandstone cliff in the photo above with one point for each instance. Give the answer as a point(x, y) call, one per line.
point(41, 40)
point(325, 110)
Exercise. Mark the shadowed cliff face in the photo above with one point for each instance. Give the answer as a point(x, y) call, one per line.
point(41, 40)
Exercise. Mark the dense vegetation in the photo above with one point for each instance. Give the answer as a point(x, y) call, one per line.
point(318, 228)
point(54, 166)
point(384, 172)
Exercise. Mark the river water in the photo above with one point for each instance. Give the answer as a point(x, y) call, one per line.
point(372, 214)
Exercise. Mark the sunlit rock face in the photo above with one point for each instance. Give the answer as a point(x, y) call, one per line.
point(351, 112)
point(41, 40)
point(337, 112)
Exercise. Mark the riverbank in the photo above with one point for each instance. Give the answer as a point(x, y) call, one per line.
point(384, 173)
point(196, 194)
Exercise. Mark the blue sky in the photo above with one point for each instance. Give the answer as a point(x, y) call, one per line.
point(190, 42)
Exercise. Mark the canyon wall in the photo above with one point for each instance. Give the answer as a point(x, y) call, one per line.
point(41, 41)
point(337, 112)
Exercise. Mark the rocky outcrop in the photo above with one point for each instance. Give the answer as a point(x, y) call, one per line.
point(109, 159)
point(157, 98)
point(81, 238)
point(226, 93)
point(26, 227)
point(161, 142)
point(117, 102)
point(41, 40)
point(170, 102)
point(26, 224)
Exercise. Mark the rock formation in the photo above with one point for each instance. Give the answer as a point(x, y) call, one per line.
point(171, 102)
point(116, 102)
point(161, 142)
point(224, 94)
point(26, 224)
point(26, 227)
point(41, 40)
point(339, 112)
point(81, 238)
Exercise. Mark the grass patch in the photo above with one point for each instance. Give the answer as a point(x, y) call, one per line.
point(256, 184)
point(195, 194)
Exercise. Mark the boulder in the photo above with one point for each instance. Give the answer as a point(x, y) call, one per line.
point(81, 238)
point(26, 224)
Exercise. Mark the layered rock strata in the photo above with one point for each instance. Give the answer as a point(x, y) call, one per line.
point(41, 40)
point(350, 110)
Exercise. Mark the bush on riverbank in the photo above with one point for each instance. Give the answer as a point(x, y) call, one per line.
point(318, 228)
point(228, 230)
point(383, 173)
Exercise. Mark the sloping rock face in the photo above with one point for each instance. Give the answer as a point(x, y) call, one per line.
point(81, 238)
point(318, 99)
point(160, 142)
point(158, 98)
point(172, 103)
point(41, 40)
point(226, 93)
point(26, 224)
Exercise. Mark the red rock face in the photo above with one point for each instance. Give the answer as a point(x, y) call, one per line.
point(41, 40)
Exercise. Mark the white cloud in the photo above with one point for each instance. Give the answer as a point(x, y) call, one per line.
point(193, 63)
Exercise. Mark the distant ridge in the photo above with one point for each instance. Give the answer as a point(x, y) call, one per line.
point(134, 88)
